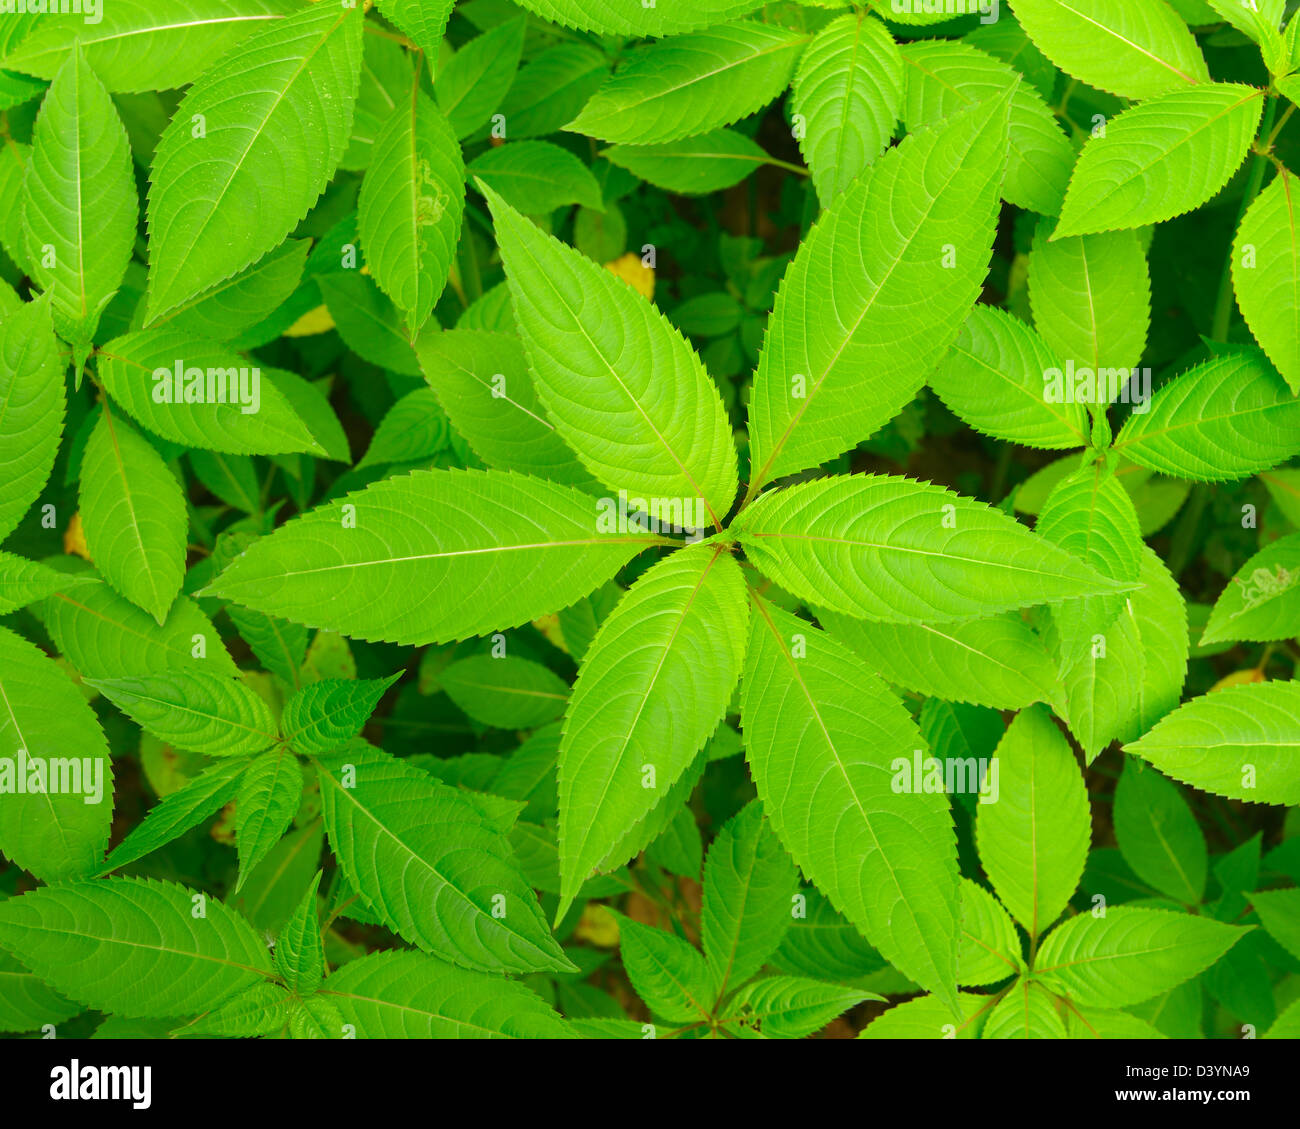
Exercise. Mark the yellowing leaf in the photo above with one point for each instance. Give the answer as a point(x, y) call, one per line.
point(635, 273)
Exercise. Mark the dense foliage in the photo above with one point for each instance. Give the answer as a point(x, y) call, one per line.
point(650, 518)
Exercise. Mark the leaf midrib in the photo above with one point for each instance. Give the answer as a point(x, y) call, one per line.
point(1128, 43)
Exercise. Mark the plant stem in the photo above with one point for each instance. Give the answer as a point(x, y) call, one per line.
point(1180, 550)
point(1223, 305)
point(787, 165)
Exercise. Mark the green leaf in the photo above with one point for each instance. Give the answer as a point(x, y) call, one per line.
point(80, 207)
point(15, 88)
point(14, 158)
point(1256, 19)
point(1129, 955)
point(136, 46)
point(669, 656)
point(1237, 872)
point(32, 405)
point(1228, 418)
point(669, 975)
point(329, 713)
point(645, 832)
point(613, 17)
point(996, 662)
point(231, 478)
point(993, 379)
point(262, 1010)
point(370, 325)
point(693, 166)
point(1158, 835)
point(709, 315)
point(194, 710)
point(415, 428)
point(10, 303)
point(505, 691)
point(956, 730)
point(27, 1003)
point(1266, 274)
point(1279, 910)
point(1033, 839)
point(692, 84)
point(483, 383)
point(990, 945)
point(1241, 741)
point(424, 21)
point(621, 385)
point(273, 890)
point(229, 408)
point(1091, 516)
point(315, 1017)
point(1287, 1025)
point(1133, 48)
point(24, 582)
point(1260, 21)
point(1242, 983)
point(536, 177)
point(104, 636)
point(276, 113)
point(387, 82)
point(1131, 673)
point(848, 91)
point(403, 995)
point(821, 944)
point(270, 791)
point(1262, 601)
point(299, 955)
point(848, 304)
point(134, 946)
point(1162, 158)
point(410, 207)
point(470, 88)
point(942, 77)
point(1104, 1023)
point(789, 1007)
point(749, 888)
point(1091, 299)
point(679, 848)
point(55, 775)
point(902, 551)
point(312, 407)
point(552, 89)
point(506, 549)
point(179, 811)
point(823, 738)
point(1025, 1012)
point(528, 775)
point(928, 1017)
point(133, 513)
point(280, 646)
point(431, 865)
